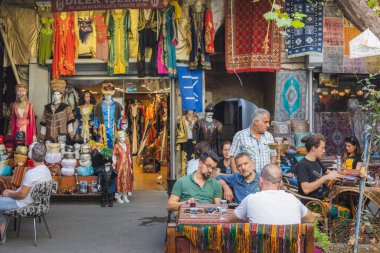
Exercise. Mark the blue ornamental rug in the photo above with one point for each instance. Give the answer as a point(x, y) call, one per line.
point(307, 40)
point(291, 87)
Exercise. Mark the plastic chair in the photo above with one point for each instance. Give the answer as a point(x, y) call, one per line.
point(38, 209)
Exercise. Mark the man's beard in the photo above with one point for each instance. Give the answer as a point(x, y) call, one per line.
point(206, 176)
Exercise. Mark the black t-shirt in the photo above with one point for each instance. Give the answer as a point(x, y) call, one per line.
point(289, 160)
point(308, 171)
point(357, 158)
point(222, 167)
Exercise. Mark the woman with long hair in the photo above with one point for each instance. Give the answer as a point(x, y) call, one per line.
point(352, 157)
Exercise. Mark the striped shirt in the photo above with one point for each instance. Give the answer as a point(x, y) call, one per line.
point(259, 150)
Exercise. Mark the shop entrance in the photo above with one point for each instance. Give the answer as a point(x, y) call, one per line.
point(235, 115)
point(145, 118)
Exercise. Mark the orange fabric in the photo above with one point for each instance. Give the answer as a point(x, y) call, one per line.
point(209, 32)
point(124, 180)
point(350, 32)
point(18, 176)
point(65, 44)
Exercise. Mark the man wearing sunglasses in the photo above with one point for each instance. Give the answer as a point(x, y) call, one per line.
point(198, 187)
point(243, 182)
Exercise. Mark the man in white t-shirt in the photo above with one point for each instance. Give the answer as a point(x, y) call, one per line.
point(22, 196)
point(271, 205)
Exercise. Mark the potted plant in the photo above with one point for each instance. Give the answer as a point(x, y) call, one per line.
point(322, 241)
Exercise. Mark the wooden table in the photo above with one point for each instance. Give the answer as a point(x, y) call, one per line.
point(177, 242)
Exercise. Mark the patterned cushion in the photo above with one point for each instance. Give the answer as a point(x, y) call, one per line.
point(281, 127)
point(289, 137)
point(300, 126)
point(298, 137)
point(18, 175)
point(41, 204)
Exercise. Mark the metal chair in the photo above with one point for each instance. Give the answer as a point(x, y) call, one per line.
point(41, 203)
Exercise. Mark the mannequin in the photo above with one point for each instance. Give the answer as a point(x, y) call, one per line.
point(107, 115)
point(209, 129)
point(22, 115)
point(85, 117)
point(185, 131)
point(58, 117)
point(150, 132)
point(135, 118)
point(106, 181)
point(122, 162)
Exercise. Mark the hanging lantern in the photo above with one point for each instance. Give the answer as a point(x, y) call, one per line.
point(325, 93)
point(341, 93)
point(347, 91)
point(334, 92)
point(359, 93)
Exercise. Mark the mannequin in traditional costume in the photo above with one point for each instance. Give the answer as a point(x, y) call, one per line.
point(198, 56)
point(58, 117)
point(84, 114)
point(119, 29)
point(147, 28)
point(163, 112)
point(107, 115)
point(209, 129)
point(185, 129)
point(65, 45)
point(122, 162)
point(85, 30)
point(45, 38)
point(101, 35)
point(150, 132)
point(106, 181)
point(22, 115)
point(135, 122)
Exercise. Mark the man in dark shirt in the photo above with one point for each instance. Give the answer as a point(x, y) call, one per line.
point(311, 174)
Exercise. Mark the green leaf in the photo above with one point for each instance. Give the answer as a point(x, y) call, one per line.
point(283, 22)
point(299, 16)
point(297, 24)
point(270, 15)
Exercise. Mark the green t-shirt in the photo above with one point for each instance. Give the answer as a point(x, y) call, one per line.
point(186, 188)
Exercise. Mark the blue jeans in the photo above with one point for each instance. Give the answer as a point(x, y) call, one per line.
point(5, 205)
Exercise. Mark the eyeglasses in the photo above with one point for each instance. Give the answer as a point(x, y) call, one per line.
point(208, 166)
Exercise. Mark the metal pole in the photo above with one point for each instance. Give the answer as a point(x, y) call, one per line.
point(310, 98)
point(9, 54)
point(172, 128)
point(362, 185)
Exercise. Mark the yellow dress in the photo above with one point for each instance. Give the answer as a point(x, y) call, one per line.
point(133, 40)
point(83, 22)
point(183, 48)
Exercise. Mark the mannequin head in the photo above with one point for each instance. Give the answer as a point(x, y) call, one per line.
point(57, 97)
point(190, 112)
point(21, 91)
point(87, 98)
point(121, 136)
point(107, 97)
point(209, 112)
point(108, 90)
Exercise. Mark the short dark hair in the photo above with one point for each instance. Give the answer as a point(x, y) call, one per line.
point(241, 154)
point(354, 142)
point(202, 147)
point(312, 141)
point(225, 142)
point(38, 152)
point(209, 154)
point(268, 175)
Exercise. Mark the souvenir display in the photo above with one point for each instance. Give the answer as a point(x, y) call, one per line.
point(58, 118)
point(209, 129)
point(68, 167)
point(122, 162)
point(22, 117)
point(107, 115)
point(53, 157)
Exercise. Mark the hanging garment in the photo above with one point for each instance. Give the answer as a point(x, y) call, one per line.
point(134, 121)
point(85, 117)
point(147, 29)
point(133, 38)
point(101, 37)
point(169, 35)
point(183, 48)
point(23, 122)
point(209, 32)
point(65, 44)
point(85, 30)
point(210, 132)
point(124, 180)
point(119, 28)
point(45, 40)
point(198, 56)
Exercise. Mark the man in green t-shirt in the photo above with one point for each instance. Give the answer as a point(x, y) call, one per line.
point(198, 187)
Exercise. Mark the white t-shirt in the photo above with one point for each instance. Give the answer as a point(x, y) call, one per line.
point(275, 207)
point(34, 176)
point(192, 166)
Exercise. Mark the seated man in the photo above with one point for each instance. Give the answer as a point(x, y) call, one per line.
point(243, 182)
point(198, 187)
point(271, 205)
point(22, 196)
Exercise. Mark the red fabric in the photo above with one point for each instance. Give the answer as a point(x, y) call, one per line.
point(18, 176)
point(245, 37)
point(209, 32)
point(65, 44)
point(123, 167)
point(25, 123)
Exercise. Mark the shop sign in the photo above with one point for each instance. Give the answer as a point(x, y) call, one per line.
point(85, 5)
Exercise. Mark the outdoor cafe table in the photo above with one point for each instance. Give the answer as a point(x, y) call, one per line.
point(177, 242)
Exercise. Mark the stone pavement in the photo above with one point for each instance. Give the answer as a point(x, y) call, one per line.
point(136, 227)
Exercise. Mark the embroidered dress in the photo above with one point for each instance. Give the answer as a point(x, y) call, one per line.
point(119, 28)
point(184, 36)
point(169, 34)
point(101, 37)
point(198, 56)
point(45, 41)
point(124, 181)
point(24, 122)
point(85, 32)
point(209, 32)
point(135, 116)
point(65, 45)
point(85, 117)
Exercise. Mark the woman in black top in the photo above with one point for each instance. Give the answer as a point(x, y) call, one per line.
point(224, 163)
point(352, 157)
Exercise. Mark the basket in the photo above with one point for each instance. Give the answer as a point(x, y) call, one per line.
point(20, 158)
point(53, 147)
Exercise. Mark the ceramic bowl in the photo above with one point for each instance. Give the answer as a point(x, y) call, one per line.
point(68, 163)
point(85, 171)
point(67, 172)
point(53, 157)
point(53, 147)
point(85, 157)
point(69, 155)
point(83, 163)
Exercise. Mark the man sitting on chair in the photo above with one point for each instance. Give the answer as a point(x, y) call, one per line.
point(22, 196)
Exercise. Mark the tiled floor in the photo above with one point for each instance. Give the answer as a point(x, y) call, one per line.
point(148, 181)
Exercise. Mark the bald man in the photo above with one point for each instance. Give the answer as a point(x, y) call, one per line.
point(272, 205)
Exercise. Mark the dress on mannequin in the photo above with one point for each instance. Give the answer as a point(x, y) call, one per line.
point(84, 115)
